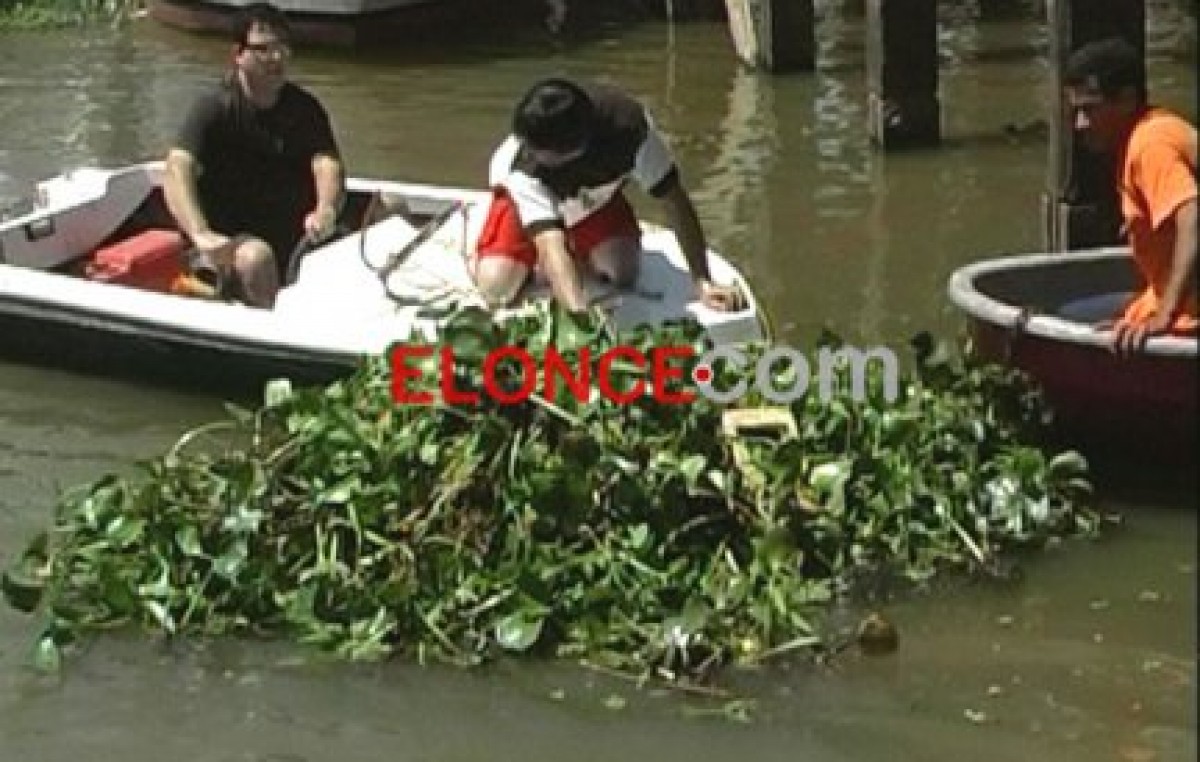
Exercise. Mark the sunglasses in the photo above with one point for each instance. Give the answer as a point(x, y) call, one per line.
point(269, 49)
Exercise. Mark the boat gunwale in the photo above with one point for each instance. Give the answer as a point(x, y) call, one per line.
point(980, 306)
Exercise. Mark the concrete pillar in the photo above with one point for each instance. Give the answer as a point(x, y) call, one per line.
point(1185, 41)
point(1079, 205)
point(902, 73)
point(774, 35)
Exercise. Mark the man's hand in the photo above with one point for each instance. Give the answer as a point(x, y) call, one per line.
point(217, 246)
point(319, 223)
point(1129, 338)
point(559, 268)
point(721, 298)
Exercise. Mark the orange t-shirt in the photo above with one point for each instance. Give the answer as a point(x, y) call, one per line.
point(1158, 173)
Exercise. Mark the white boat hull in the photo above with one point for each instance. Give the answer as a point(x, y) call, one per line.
point(335, 313)
point(346, 23)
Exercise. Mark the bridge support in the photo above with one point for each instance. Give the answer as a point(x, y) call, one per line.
point(774, 35)
point(1079, 205)
point(902, 73)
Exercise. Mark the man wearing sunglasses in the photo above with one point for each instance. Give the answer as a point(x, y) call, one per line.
point(558, 201)
point(255, 170)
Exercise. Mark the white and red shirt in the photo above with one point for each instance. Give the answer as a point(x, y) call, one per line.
point(624, 145)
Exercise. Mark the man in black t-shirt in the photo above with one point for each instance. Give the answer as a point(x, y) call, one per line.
point(557, 198)
point(255, 168)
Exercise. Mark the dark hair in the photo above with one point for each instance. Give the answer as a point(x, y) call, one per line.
point(262, 15)
point(555, 114)
point(1107, 66)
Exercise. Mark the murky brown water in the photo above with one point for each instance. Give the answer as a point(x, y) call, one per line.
point(1090, 657)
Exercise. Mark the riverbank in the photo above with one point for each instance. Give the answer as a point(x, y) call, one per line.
point(49, 14)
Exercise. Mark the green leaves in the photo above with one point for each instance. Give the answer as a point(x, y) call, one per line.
point(44, 15)
point(21, 587)
point(46, 655)
point(519, 631)
point(636, 535)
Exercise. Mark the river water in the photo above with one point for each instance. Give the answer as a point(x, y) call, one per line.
point(1090, 655)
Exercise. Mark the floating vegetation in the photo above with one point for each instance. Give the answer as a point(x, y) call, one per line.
point(639, 537)
point(45, 14)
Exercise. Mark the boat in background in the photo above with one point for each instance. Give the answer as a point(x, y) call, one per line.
point(344, 23)
point(1024, 312)
point(89, 276)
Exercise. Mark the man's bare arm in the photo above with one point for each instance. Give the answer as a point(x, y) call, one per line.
point(686, 224)
point(179, 191)
point(330, 181)
point(560, 269)
point(1129, 337)
point(1183, 260)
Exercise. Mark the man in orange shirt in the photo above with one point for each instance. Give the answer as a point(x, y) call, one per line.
point(1154, 153)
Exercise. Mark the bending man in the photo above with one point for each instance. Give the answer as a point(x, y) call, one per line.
point(558, 201)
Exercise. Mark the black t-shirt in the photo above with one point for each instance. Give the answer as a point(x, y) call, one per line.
point(255, 165)
point(617, 131)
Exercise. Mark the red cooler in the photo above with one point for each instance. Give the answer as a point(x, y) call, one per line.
point(150, 260)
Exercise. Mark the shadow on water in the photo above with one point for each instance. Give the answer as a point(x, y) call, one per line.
point(1136, 466)
point(150, 364)
point(1140, 479)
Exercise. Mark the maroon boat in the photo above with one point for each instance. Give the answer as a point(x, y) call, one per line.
point(1037, 312)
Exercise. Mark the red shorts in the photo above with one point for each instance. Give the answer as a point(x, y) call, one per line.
point(503, 235)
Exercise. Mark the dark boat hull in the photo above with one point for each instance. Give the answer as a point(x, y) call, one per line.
point(1141, 407)
point(1102, 402)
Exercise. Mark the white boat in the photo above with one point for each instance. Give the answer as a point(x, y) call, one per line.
point(342, 22)
point(337, 310)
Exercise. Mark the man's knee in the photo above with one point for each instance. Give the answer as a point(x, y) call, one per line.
point(618, 260)
point(498, 279)
point(623, 277)
point(256, 271)
point(252, 255)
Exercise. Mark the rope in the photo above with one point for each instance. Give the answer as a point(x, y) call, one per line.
point(368, 219)
point(445, 290)
point(767, 323)
point(1015, 331)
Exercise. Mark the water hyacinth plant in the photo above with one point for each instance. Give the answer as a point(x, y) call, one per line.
point(640, 537)
point(41, 14)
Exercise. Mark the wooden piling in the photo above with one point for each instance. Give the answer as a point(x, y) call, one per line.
point(773, 35)
point(1185, 42)
point(995, 10)
point(1079, 205)
point(902, 73)
point(691, 10)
